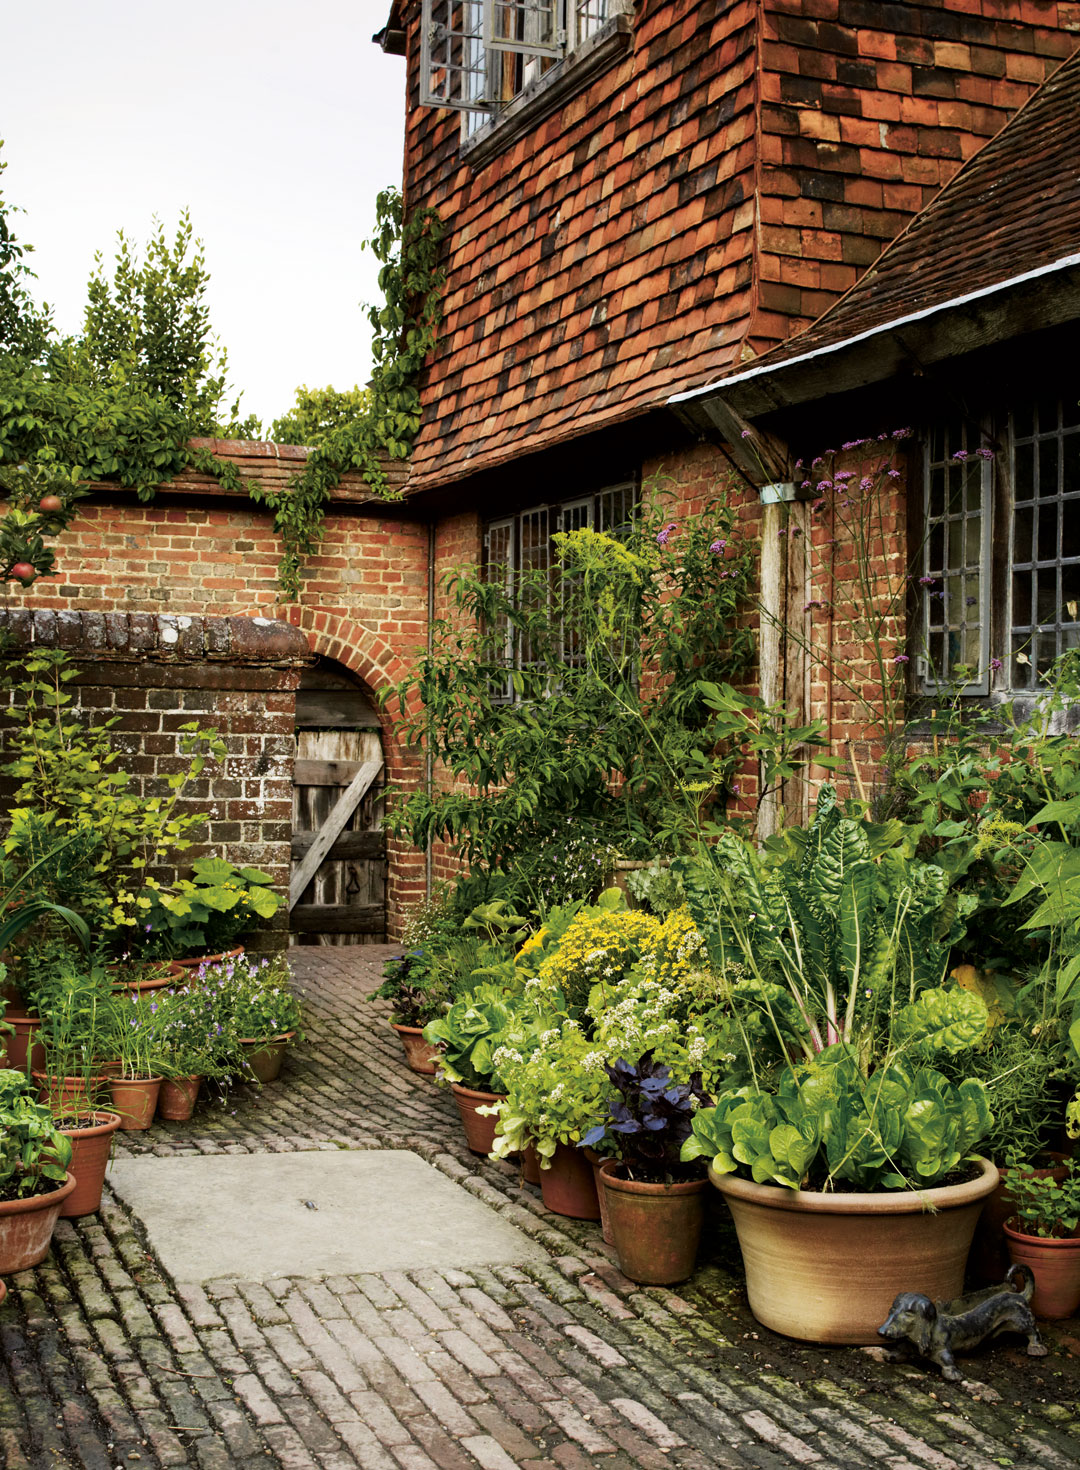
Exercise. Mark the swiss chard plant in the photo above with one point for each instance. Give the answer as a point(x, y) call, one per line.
point(826, 1126)
point(835, 925)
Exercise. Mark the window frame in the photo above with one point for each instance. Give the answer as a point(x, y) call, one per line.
point(999, 565)
point(556, 512)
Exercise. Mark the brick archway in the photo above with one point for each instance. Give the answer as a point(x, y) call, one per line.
point(372, 660)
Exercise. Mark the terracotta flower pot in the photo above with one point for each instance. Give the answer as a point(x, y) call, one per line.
point(22, 1045)
point(420, 1055)
point(479, 1131)
point(91, 1144)
point(135, 1099)
point(137, 979)
point(825, 1267)
point(568, 1187)
point(27, 1225)
point(989, 1250)
point(596, 1160)
point(263, 1056)
point(656, 1227)
point(1055, 1265)
point(66, 1095)
point(530, 1165)
point(190, 965)
point(176, 1100)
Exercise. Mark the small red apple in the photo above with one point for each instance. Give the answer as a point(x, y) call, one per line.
point(50, 505)
point(23, 572)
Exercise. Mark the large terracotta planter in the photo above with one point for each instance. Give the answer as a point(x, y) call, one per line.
point(135, 1099)
point(91, 1145)
point(656, 1228)
point(479, 1130)
point(568, 1187)
point(826, 1267)
point(1055, 1265)
point(264, 1056)
point(176, 1100)
point(27, 1225)
point(23, 1045)
point(420, 1055)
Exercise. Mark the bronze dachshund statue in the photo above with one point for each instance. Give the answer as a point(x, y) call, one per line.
point(938, 1330)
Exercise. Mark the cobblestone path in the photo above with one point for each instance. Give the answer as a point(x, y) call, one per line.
point(103, 1363)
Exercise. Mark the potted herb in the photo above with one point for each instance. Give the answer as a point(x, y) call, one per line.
point(846, 1156)
point(1044, 1235)
point(34, 1182)
point(75, 1036)
point(200, 918)
point(418, 995)
point(196, 1045)
point(136, 1045)
point(468, 1037)
point(655, 1202)
point(555, 1088)
point(255, 1003)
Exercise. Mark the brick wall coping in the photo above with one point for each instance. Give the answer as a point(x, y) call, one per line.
point(160, 637)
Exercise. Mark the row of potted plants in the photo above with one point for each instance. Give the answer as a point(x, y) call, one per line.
point(793, 1028)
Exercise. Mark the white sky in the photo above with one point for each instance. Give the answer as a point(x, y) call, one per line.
point(276, 124)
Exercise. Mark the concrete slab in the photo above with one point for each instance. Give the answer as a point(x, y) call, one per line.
point(255, 1216)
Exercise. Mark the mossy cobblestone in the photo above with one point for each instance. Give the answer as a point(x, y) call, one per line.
point(104, 1362)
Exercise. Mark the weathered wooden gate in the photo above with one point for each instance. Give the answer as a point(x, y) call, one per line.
point(338, 889)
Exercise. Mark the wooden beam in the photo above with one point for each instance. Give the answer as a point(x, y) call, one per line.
point(334, 825)
point(345, 918)
point(349, 845)
point(324, 773)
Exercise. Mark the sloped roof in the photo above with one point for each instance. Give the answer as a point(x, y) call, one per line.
point(1012, 211)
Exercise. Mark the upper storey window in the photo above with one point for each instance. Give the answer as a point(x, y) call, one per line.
point(480, 56)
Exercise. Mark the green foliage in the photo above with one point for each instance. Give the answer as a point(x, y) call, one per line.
point(827, 1125)
point(25, 328)
point(34, 1156)
point(1046, 1207)
point(839, 916)
point(385, 419)
point(628, 746)
point(147, 326)
point(75, 1007)
point(317, 413)
point(555, 1091)
point(70, 786)
point(205, 913)
point(474, 1028)
point(253, 998)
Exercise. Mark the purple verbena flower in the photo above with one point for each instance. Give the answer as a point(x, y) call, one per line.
point(901, 658)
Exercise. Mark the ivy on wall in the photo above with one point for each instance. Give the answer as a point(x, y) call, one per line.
point(62, 425)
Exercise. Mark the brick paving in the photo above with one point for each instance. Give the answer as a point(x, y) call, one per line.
point(104, 1363)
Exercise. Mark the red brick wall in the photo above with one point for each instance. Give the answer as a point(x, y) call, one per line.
point(718, 187)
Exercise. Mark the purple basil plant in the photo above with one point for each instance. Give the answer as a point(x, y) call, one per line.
point(649, 1120)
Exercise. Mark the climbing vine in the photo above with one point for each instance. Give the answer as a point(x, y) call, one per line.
point(59, 429)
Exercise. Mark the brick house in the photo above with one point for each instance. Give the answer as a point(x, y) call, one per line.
point(664, 223)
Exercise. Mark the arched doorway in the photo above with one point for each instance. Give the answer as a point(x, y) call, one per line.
point(339, 765)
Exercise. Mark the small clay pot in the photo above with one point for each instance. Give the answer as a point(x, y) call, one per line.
point(1055, 1265)
point(70, 1094)
point(176, 1099)
point(91, 1144)
point(596, 1160)
point(989, 1259)
point(135, 1099)
point(18, 1047)
point(264, 1056)
point(420, 1055)
point(656, 1227)
point(479, 1130)
point(568, 1187)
